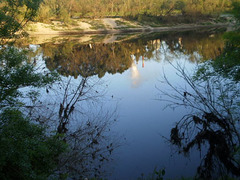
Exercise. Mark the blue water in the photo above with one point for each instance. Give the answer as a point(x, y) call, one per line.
point(143, 122)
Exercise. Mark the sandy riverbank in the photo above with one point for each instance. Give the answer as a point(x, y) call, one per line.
point(107, 26)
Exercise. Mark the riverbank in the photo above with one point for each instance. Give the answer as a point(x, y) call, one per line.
point(110, 26)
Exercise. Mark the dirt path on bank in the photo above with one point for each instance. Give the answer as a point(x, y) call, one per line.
point(110, 22)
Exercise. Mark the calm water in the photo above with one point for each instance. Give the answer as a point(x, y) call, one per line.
point(129, 76)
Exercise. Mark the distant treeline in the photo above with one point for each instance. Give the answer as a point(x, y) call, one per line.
point(66, 9)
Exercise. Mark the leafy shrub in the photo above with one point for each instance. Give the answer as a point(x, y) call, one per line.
point(26, 151)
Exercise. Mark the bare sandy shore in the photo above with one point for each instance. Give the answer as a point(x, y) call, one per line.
point(108, 26)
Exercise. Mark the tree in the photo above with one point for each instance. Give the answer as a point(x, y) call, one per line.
point(228, 62)
point(30, 147)
point(17, 72)
point(26, 151)
point(14, 14)
point(236, 9)
point(213, 96)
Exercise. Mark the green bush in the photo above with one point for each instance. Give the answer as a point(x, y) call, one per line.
point(26, 151)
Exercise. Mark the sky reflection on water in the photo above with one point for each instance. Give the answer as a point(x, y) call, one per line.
point(133, 72)
point(143, 122)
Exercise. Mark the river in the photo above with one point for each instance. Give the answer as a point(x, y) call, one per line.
point(128, 84)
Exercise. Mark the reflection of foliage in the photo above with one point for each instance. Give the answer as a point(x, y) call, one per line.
point(207, 47)
point(89, 141)
point(91, 148)
point(207, 44)
point(213, 124)
point(89, 60)
point(26, 151)
point(75, 112)
point(97, 59)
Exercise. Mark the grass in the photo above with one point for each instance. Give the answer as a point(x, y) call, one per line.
point(158, 21)
point(97, 38)
point(73, 23)
point(31, 27)
point(124, 25)
point(120, 23)
point(78, 29)
point(96, 24)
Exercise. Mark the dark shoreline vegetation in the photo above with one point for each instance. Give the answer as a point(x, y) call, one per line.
point(43, 142)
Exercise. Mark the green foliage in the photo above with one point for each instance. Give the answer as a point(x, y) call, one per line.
point(155, 175)
point(17, 72)
point(236, 9)
point(64, 10)
point(14, 14)
point(215, 93)
point(26, 151)
point(180, 5)
point(97, 24)
point(228, 63)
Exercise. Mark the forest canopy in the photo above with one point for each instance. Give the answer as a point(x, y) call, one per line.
point(64, 9)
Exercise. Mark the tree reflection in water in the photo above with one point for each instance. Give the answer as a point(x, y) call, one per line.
point(212, 125)
point(71, 58)
point(73, 108)
point(69, 102)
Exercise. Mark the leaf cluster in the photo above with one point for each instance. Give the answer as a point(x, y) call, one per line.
point(228, 63)
point(236, 9)
point(14, 14)
point(26, 151)
point(17, 72)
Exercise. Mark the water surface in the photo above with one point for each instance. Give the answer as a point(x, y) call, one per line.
point(132, 74)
